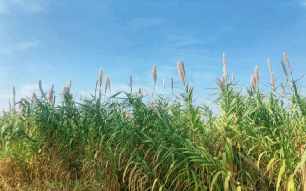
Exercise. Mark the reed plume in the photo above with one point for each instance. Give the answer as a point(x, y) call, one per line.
point(131, 83)
point(232, 77)
point(96, 87)
point(283, 90)
point(100, 77)
point(106, 84)
point(154, 108)
point(221, 83)
point(183, 68)
point(40, 88)
point(224, 66)
point(287, 61)
point(10, 107)
point(164, 83)
point(69, 84)
point(137, 82)
point(272, 75)
point(257, 75)
point(284, 68)
point(14, 96)
point(51, 95)
point(128, 114)
point(154, 74)
point(172, 83)
point(253, 83)
point(100, 94)
point(181, 74)
point(34, 98)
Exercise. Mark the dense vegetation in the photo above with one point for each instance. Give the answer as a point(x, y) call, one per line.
point(255, 142)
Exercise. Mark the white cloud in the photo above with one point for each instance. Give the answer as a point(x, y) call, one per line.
point(20, 46)
point(303, 3)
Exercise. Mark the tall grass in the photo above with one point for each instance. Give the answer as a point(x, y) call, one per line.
point(256, 142)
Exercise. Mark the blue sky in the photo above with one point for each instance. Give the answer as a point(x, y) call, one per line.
point(57, 41)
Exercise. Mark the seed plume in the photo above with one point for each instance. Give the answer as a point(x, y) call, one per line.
point(106, 84)
point(172, 83)
point(181, 74)
point(51, 95)
point(137, 81)
point(128, 114)
point(96, 86)
point(233, 77)
point(272, 75)
point(14, 95)
point(283, 90)
point(100, 94)
point(69, 84)
point(164, 83)
point(100, 77)
point(224, 66)
point(84, 95)
point(131, 81)
point(34, 98)
point(287, 61)
point(154, 108)
point(183, 68)
point(284, 68)
point(154, 73)
point(257, 75)
point(253, 83)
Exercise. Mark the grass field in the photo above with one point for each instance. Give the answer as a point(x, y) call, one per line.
point(255, 142)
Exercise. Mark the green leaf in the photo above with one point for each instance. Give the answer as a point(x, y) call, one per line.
point(281, 171)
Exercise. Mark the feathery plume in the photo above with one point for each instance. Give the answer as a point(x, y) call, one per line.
point(224, 66)
point(128, 114)
point(253, 83)
point(10, 107)
point(287, 61)
point(181, 74)
point(183, 68)
point(154, 108)
point(14, 95)
point(147, 93)
point(137, 82)
point(164, 83)
point(85, 96)
point(154, 73)
point(69, 84)
point(283, 90)
point(152, 97)
point(106, 84)
point(257, 75)
point(100, 77)
point(34, 98)
point(100, 94)
point(221, 83)
point(131, 81)
point(40, 88)
point(172, 83)
point(96, 86)
point(51, 95)
point(272, 75)
point(232, 77)
point(284, 68)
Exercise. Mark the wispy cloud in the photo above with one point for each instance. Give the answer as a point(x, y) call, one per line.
point(145, 22)
point(303, 3)
point(28, 6)
point(19, 46)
